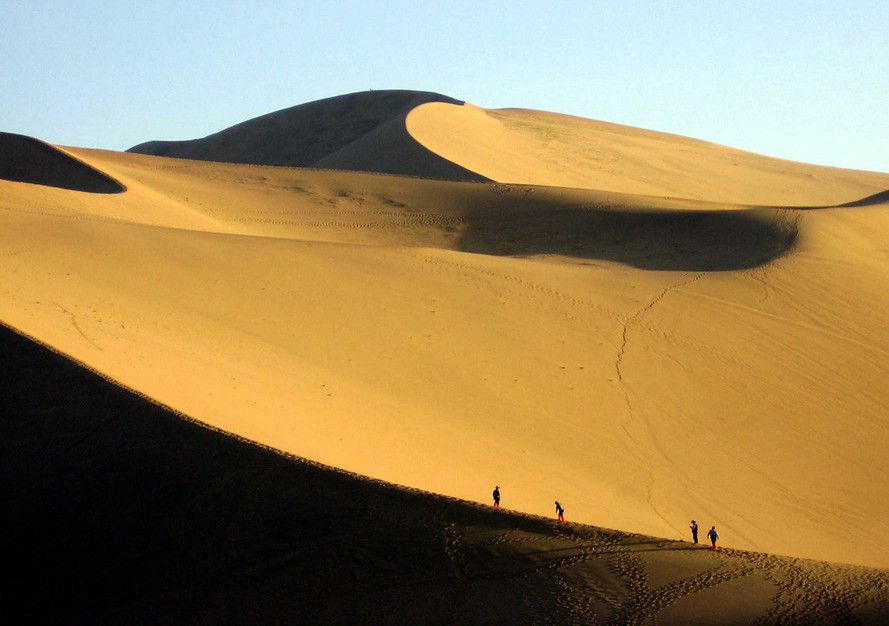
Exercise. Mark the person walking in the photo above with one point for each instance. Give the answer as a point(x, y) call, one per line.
point(694, 531)
point(496, 495)
point(714, 536)
point(560, 512)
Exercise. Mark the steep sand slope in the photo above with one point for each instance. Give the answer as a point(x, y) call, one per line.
point(123, 513)
point(650, 362)
point(359, 131)
point(29, 160)
point(541, 148)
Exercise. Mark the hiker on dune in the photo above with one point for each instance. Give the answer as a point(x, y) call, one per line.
point(714, 536)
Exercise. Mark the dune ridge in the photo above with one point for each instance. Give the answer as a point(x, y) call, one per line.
point(543, 148)
point(29, 160)
point(126, 512)
point(361, 131)
point(436, 136)
point(877, 198)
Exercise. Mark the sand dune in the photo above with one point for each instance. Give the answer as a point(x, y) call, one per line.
point(338, 316)
point(28, 160)
point(431, 135)
point(645, 359)
point(123, 512)
point(877, 198)
point(360, 131)
point(541, 148)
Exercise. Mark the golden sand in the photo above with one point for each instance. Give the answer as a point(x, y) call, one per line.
point(636, 340)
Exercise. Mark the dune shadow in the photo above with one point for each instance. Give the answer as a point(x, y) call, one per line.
point(704, 241)
point(877, 198)
point(27, 160)
point(363, 131)
point(121, 511)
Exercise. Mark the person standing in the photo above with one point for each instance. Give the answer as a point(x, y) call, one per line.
point(694, 531)
point(496, 495)
point(560, 512)
point(714, 536)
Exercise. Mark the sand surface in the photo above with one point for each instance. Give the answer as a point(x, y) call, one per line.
point(122, 512)
point(669, 338)
point(537, 147)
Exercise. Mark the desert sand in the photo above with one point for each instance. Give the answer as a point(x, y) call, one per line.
point(123, 511)
point(646, 327)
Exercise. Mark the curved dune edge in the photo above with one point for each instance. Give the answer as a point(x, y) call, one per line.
point(29, 160)
point(362, 131)
point(654, 233)
point(338, 316)
point(155, 509)
point(875, 199)
point(430, 135)
point(524, 146)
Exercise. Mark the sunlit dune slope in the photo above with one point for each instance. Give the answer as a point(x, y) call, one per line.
point(643, 360)
point(360, 131)
point(124, 512)
point(542, 148)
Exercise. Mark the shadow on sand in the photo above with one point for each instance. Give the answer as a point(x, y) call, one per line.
point(28, 160)
point(363, 131)
point(877, 198)
point(117, 511)
point(703, 241)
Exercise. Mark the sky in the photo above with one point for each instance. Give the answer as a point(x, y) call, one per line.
point(807, 81)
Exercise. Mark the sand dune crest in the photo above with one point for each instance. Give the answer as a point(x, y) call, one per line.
point(877, 198)
point(362, 131)
point(541, 148)
point(126, 513)
point(28, 160)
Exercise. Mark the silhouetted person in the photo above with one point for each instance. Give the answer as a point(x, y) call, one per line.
point(694, 531)
point(560, 512)
point(713, 535)
point(496, 495)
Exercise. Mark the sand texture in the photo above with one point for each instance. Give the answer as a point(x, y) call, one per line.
point(126, 513)
point(646, 327)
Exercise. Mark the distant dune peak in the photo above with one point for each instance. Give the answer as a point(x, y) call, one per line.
point(25, 159)
point(362, 131)
point(430, 135)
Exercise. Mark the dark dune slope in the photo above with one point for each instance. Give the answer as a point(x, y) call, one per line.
point(117, 511)
point(877, 198)
point(360, 131)
point(27, 160)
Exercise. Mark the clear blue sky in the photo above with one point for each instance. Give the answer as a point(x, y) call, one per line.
point(807, 81)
